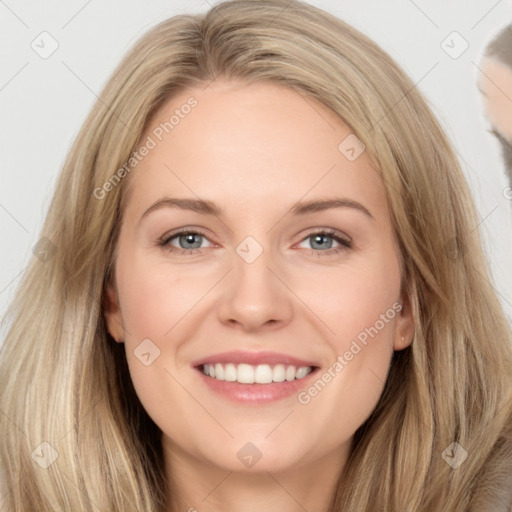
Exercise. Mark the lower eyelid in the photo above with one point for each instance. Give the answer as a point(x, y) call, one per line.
point(174, 248)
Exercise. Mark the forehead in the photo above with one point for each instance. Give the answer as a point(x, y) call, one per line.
point(253, 144)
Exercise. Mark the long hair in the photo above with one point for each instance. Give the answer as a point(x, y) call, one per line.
point(74, 434)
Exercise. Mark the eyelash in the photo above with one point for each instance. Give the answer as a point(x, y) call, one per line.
point(345, 243)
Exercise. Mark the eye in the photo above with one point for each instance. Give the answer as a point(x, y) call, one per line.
point(188, 241)
point(191, 241)
point(322, 242)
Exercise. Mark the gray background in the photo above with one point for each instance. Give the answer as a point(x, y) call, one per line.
point(45, 100)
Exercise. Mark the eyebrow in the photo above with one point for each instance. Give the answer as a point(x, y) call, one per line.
point(207, 207)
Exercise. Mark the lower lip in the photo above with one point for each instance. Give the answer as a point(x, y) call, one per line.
point(256, 393)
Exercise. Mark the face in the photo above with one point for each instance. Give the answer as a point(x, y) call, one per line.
point(495, 83)
point(231, 262)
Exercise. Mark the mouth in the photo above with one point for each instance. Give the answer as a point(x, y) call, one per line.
point(255, 378)
point(259, 374)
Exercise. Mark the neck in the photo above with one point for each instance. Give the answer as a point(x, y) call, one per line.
point(199, 486)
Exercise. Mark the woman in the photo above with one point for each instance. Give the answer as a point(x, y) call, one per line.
point(333, 341)
point(495, 84)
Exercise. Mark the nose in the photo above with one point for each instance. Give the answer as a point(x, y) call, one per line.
point(255, 296)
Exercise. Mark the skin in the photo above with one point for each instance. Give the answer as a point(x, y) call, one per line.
point(495, 84)
point(255, 150)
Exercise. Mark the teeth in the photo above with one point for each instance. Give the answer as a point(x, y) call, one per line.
point(261, 374)
point(229, 372)
point(279, 373)
point(245, 374)
point(302, 372)
point(219, 372)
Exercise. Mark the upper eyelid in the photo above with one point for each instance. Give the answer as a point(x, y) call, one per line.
point(184, 231)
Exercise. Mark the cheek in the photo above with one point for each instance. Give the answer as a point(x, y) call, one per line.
point(351, 298)
point(359, 307)
point(156, 303)
point(155, 297)
point(348, 389)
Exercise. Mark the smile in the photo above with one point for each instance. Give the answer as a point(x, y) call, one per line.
point(255, 378)
point(260, 374)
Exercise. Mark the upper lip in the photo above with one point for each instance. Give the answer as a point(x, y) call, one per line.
point(253, 358)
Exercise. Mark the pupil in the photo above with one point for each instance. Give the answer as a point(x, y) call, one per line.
point(319, 239)
point(189, 239)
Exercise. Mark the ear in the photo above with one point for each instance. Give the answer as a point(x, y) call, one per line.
point(404, 326)
point(113, 313)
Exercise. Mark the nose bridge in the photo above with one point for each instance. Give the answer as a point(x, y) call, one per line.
point(254, 295)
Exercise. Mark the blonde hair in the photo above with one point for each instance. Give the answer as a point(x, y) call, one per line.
point(65, 382)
